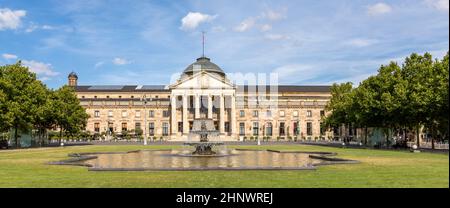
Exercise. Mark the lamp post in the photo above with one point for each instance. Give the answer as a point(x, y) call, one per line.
point(145, 100)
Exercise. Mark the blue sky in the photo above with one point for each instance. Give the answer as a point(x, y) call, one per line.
point(146, 42)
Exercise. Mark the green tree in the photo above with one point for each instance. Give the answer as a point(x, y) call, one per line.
point(70, 116)
point(19, 90)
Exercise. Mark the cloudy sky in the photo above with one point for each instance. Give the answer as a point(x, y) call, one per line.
point(146, 42)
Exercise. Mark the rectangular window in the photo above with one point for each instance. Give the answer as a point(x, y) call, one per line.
point(255, 113)
point(110, 113)
point(242, 129)
point(242, 113)
point(227, 126)
point(138, 114)
point(151, 129)
point(151, 114)
point(97, 127)
point(322, 113)
point(137, 126)
point(309, 113)
point(165, 129)
point(309, 129)
point(124, 127)
point(282, 114)
point(124, 114)
point(269, 129)
point(296, 128)
point(180, 127)
point(255, 128)
point(110, 127)
point(97, 114)
point(166, 114)
point(282, 129)
point(268, 113)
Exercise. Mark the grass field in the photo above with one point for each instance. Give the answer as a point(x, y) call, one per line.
point(378, 168)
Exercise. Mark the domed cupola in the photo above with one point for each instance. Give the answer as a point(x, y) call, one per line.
point(203, 64)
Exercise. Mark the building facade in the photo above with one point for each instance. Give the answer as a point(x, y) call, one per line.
point(204, 91)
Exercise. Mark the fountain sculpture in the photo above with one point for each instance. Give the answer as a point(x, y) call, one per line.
point(204, 128)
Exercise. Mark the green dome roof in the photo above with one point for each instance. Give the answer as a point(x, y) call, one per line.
point(204, 64)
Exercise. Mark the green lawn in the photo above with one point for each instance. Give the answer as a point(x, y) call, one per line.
point(378, 168)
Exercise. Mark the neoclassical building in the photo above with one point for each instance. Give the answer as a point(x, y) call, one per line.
point(204, 91)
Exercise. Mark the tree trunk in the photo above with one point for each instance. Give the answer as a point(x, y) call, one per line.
point(365, 136)
point(418, 136)
point(60, 135)
point(432, 137)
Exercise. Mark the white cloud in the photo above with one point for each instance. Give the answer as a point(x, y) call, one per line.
point(120, 61)
point(266, 27)
point(360, 42)
point(245, 25)
point(378, 9)
point(99, 64)
point(9, 56)
point(11, 19)
point(273, 16)
point(193, 19)
point(40, 68)
point(32, 27)
point(441, 5)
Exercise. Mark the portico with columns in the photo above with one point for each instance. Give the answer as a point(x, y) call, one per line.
point(203, 91)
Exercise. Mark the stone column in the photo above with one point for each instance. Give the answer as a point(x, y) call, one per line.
point(210, 107)
point(222, 115)
point(185, 115)
point(197, 106)
point(233, 116)
point(173, 118)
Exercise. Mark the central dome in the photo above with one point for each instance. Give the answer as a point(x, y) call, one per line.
point(203, 64)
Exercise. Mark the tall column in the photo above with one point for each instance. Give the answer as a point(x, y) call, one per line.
point(185, 115)
point(233, 116)
point(173, 118)
point(197, 106)
point(210, 106)
point(222, 115)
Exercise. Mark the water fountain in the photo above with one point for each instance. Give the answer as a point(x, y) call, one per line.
point(204, 128)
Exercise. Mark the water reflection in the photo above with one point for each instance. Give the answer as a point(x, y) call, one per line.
point(174, 159)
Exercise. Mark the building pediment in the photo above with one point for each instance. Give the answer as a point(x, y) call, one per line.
point(203, 80)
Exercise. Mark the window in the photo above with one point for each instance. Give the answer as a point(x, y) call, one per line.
point(180, 127)
point(242, 113)
point(132, 97)
point(165, 129)
point(166, 114)
point(120, 96)
point(124, 127)
point(309, 129)
point(137, 126)
point(296, 128)
point(97, 114)
point(242, 129)
point(82, 96)
point(269, 129)
point(282, 131)
point(151, 114)
point(110, 127)
point(268, 113)
point(110, 113)
point(255, 113)
point(227, 126)
point(309, 113)
point(151, 129)
point(295, 113)
point(124, 114)
point(322, 113)
point(95, 97)
point(138, 114)
point(255, 128)
point(107, 96)
point(282, 114)
point(97, 127)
